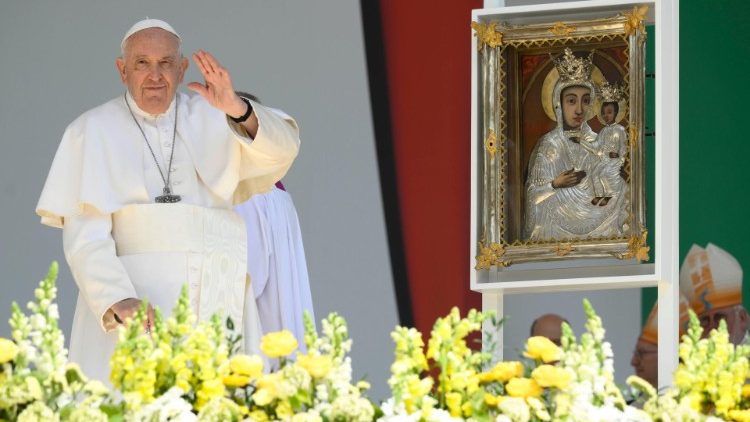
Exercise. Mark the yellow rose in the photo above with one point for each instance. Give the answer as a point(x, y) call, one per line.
point(542, 348)
point(453, 401)
point(523, 387)
point(249, 366)
point(551, 376)
point(278, 344)
point(235, 380)
point(8, 350)
point(502, 372)
point(316, 365)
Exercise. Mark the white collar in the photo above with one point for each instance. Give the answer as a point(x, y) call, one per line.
point(148, 116)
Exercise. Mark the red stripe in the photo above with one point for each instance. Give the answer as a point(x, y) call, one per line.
point(427, 54)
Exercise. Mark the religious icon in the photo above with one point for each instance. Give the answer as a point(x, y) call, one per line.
point(563, 105)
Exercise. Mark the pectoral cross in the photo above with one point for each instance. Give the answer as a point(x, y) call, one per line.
point(167, 198)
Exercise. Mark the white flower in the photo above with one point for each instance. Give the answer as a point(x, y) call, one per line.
point(351, 408)
point(516, 409)
point(170, 406)
point(310, 416)
point(36, 412)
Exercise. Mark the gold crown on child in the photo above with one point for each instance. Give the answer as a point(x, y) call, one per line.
point(610, 93)
point(572, 68)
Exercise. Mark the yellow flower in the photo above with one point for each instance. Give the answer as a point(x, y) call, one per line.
point(453, 401)
point(746, 390)
point(34, 388)
point(502, 372)
point(316, 365)
point(284, 410)
point(551, 376)
point(363, 385)
point(258, 415)
point(249, 366)
point(523, 387)
point(278, 344)
point(262, 397)
point(739, 415)
point(235, 380)
point(8, 350)
point(542, 348)
point(490, 400)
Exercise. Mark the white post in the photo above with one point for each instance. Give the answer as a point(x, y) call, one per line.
point(494, 302)
point(667, 183)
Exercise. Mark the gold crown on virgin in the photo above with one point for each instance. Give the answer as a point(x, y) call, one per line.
point(572, 68)
point(610, 93)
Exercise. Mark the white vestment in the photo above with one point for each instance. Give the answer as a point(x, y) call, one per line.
point(119, 244)
point(276, 262)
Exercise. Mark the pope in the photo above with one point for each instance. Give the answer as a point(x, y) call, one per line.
point(143, 187)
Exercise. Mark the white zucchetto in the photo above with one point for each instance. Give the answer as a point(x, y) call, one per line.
point(145, 24)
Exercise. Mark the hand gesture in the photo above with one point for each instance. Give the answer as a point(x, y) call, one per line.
point(218, 89)
point(568, 179)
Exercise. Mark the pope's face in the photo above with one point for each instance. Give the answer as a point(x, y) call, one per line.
point(576, 100)
point(152, 68)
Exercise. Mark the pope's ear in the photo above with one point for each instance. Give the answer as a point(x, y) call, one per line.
point(120, 64)
point(184, 64)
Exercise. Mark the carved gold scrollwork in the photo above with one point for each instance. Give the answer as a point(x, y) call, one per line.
point(487, 34)
point(634, 20)
point(490, 144)
point(560, 29)
point(490, 255)
point(637, 247)
point(563, 249)
point(633, 136)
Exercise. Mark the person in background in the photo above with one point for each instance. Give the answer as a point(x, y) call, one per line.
point(550, 326)
point(276, 259)
point(711, 279)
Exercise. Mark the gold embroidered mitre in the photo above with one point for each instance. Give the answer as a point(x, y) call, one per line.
point(610, 93)
point(572, 68)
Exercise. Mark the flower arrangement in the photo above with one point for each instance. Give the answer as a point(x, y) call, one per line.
point(572, 383)
point(456, 393)
point(36, 382)
point(709, 383)
point(188, 371)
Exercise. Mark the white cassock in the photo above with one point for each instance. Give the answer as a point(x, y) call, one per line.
point(276, 262)
point(120, 244)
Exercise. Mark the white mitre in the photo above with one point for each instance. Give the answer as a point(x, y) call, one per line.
point(711, 278)
point(146, 24)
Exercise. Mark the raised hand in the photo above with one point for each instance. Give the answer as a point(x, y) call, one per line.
point(218, 89)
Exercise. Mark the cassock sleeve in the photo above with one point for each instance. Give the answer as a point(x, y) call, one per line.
point(265, 159)
point(101, 278)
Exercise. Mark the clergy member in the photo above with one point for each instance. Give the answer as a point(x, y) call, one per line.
point(276, 262)
point(711, 279)
point(646, 353)
point(143, 188)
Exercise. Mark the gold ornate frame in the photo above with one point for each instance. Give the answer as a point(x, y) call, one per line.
point(499, 244)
